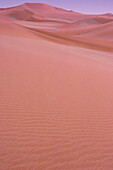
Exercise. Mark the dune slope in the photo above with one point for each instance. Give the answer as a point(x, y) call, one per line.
point(56, 102)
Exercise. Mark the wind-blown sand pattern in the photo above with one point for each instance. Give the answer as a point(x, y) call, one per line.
point(56, 89)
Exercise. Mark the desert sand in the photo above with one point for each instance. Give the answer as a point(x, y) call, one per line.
point(56, 89)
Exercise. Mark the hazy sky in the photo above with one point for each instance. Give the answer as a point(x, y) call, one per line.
point(83, 6)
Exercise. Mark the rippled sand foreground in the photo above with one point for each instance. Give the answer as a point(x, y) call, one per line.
point(56, 93)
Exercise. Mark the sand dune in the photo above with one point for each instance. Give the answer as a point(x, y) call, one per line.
point(103, 32)
point(56, 89)
point(44, 11)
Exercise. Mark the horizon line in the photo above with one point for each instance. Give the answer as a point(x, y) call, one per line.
point(56, 7)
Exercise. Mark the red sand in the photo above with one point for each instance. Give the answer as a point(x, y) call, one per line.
point(56, 90)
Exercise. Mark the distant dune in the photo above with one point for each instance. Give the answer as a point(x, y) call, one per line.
point(56, 89)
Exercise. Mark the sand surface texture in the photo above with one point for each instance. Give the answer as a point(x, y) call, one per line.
point(56, 89)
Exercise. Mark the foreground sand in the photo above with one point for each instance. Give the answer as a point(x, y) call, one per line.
point(56, 100)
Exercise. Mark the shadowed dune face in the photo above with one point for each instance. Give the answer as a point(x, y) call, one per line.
point(56, 89)
point(104, 32)
point(23, 15)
